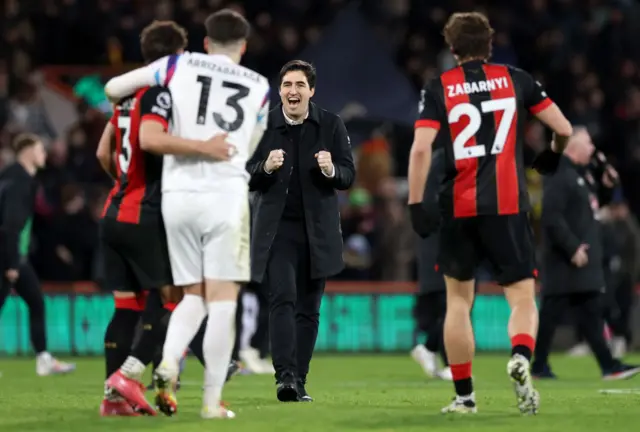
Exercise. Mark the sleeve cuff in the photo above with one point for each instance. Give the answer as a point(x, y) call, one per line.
point(332, 174)
point(540, 106)
point(426, 123)
point(156, 118)
point(264, 169)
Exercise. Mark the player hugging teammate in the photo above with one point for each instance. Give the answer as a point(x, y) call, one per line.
point(208, 249)
point(132, 233)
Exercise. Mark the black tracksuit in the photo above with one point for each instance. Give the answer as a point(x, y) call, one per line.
point(431, 302)
point(17, 200)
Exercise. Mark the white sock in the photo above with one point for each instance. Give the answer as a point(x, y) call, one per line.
point(183, 326)
point(133, 368)
point(219, 338)
point(44, 356)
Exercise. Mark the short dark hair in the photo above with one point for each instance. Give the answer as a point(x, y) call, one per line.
point(160, 39)
point(469, 35)
point(227, 26)
point(299, 65)
point(24, 141)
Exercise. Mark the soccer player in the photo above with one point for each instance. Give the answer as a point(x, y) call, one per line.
point(18, 188)
point(205, 204)
point(481, 110)
point(132, 231)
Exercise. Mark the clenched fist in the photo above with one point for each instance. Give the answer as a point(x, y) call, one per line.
point(274, 161)
point(325, 163)
point(580, 257)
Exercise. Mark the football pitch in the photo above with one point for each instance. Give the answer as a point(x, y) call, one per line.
point(353, 393)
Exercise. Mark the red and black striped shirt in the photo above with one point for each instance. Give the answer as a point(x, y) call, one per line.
point(136, 194)
point(481, 110)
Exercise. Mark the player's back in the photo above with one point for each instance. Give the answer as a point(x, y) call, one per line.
point(211, 95)
point(484, 111)
point(136, 193)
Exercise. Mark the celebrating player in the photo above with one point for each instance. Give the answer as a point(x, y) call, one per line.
point(208, 248)
point(481, 109)
point(132, 231)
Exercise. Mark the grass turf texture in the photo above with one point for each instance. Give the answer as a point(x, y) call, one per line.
point(353, 393)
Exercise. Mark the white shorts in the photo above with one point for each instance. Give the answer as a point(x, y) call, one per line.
point(207, 235)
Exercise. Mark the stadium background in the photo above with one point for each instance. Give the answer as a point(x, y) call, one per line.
point(372, 57)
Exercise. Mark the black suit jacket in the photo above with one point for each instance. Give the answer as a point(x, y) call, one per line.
point(322, 130)
point(568, 220)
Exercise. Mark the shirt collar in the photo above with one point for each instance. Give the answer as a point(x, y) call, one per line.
point(222, 57)
point(291, 121)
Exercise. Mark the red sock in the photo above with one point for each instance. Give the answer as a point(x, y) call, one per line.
point(462, 378)
point(130, 303)
point(523, 344)
point(461, 371)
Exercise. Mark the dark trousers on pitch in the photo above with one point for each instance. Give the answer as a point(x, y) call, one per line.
point(618, 305)
point(430, 311)
point(588, 312)
point(28, 288)
point(259, 339)
point(294, 300)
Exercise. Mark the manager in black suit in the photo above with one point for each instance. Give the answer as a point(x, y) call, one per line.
point(573, 276)
point(303, 158)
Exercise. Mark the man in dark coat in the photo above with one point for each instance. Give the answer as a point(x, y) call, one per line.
point(573, 274)
point(303, 158)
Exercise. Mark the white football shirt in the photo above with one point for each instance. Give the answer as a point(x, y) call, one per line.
point(211, 95)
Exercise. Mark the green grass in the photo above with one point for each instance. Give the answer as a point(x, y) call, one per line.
point(353, 393)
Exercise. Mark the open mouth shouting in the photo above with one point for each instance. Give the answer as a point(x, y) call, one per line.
point(293, 101)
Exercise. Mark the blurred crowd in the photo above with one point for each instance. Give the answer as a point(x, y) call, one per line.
point(584, 52)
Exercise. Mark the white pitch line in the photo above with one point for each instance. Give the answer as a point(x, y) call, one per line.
point(620, 391)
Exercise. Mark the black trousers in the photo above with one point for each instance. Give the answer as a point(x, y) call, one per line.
point(617, 304)
point(588, 311)
point(28, 288)
point(260, 339)
point(294, 301)
point(430, 311)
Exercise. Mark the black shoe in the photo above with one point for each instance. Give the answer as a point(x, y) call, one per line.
point(620, 371)
point(544, 373)
point(303, 396)
point(287, 388)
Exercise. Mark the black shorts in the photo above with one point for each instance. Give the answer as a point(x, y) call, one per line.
point(135, 257)
point(504, 241)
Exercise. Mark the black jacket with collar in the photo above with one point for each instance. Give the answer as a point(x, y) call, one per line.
point(321, 130)
point(568, 220)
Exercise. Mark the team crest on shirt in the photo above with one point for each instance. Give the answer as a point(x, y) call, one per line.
point(164, 100)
